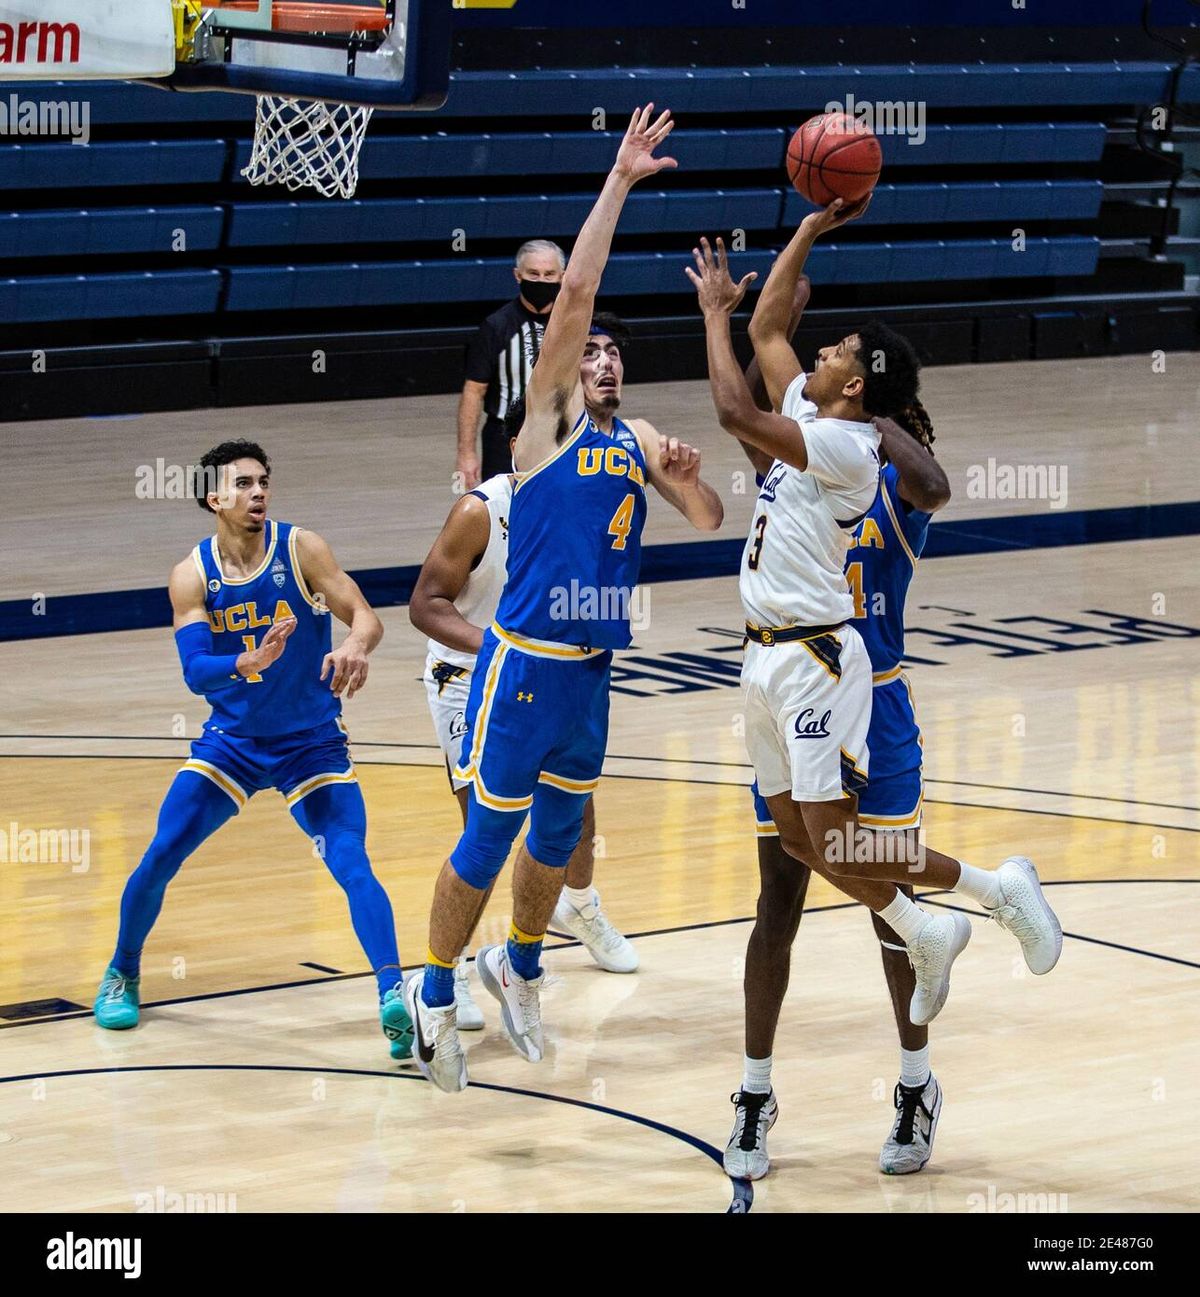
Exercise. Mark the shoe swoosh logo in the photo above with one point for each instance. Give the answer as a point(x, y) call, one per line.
point(504, 977)
point(423, 1050)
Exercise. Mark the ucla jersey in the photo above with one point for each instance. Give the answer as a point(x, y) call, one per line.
point(883, 556)
point(575, 541)
point(289, 695)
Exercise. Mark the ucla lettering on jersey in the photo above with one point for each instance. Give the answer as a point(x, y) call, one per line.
point(879, 566)
point(575, 541)
point(289, 695)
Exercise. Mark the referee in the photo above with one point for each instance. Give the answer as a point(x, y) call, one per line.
point(499, 360)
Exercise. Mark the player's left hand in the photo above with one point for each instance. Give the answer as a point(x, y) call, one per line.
point(349, 664)
point(680, 462)
point(714, 285)
point(635, 158)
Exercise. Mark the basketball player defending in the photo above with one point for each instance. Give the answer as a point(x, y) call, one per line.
point(537, 714)
point(806, 675)
point(455, 599)
point(276, 698)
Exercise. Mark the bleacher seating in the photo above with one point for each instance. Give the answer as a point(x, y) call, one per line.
point(251, 250)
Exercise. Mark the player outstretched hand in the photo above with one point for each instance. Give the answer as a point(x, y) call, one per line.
point(349, 663)
point(714, 285)
point(635, 157)
point(256, 660)
point(837, 213)
point(680, 462)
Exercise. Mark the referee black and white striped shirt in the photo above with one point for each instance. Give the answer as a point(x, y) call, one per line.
point(502, 355)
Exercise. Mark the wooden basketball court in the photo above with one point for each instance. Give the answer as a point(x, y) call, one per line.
point(1057, 689)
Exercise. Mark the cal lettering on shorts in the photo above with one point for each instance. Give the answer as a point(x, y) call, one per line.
point(71, 1253)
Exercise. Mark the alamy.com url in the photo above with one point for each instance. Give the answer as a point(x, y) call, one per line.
point(1103, 1267)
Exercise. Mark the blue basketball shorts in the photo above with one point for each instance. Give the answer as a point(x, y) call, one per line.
point(295, 764)
point(537, 714)
point(895, 789)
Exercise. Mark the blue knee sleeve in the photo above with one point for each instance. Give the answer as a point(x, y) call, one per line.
point(555, 825)
point(485, 843)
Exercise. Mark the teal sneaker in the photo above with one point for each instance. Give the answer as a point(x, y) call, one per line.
point(116, 1004)
point(397, 1025)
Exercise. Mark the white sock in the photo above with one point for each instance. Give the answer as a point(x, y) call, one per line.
point(914, 1066)
point(579, 896)
point(981, 885)
point(464, 954)
point(756, 1074)
point(904, 918)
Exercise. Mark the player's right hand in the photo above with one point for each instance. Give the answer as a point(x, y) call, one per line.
point(635, 157)
point(717, 292)
point(837, 213)
point(257, 660)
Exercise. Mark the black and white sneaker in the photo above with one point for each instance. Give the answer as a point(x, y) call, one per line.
point(746, 1153)
point(910, 1145)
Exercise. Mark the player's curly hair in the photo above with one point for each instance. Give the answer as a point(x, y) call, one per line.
point(915, 420)
point(890, 370)
point(207, 474)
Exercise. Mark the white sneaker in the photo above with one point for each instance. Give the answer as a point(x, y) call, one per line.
point(746, 1153)
point(910, 1145)
point(1026, 914)
point(931, 953)
point(435, 1047)
point(520, 1008)
point(604, 943)
point(467, 1014)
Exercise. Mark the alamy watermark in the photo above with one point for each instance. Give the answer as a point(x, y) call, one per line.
point(164, 1200)
point(885, 116)
point(28, 846)
point(589, 603)
point(69, 118)
point(993, 481)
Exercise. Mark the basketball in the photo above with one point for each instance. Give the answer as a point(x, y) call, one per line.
point(833, 156)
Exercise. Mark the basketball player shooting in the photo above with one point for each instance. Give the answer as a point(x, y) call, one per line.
point(537, 714)
point(807, 676)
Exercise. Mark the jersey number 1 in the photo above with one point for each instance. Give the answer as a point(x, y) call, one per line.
point(248, 640)
point(622, 521)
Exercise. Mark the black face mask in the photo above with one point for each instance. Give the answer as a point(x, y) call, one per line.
point(539, 293)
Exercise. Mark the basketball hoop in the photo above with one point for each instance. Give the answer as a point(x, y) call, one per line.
point(307, 144)
point(312, 143)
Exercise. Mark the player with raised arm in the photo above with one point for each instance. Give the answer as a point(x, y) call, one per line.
point(276, 698)
point(537, 715)
point(807, 675)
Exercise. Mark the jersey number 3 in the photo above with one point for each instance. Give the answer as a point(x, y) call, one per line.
point(755, 554)
point(622, 521)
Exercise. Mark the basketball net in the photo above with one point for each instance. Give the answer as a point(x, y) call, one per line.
point(307, 144)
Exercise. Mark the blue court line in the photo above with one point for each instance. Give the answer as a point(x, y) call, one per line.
point(388, 587)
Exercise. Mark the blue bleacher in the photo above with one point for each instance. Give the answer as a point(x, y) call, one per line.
point(227, 224)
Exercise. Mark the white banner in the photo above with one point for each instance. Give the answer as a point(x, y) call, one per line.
point(59, 40)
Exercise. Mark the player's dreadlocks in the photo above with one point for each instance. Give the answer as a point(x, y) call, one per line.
point(915, 420)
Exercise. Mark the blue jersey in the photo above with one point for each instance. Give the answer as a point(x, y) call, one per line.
point(882, 558)
point(289, 695)
point(575, 541)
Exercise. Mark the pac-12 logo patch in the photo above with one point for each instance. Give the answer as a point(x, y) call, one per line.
point(278, 572)
point(214, 585)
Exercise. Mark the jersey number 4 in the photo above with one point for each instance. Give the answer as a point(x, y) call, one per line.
point(622, 521)
point(854, 579)
point(248, 640)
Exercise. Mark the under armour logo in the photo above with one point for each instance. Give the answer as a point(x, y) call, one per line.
point(524, 698)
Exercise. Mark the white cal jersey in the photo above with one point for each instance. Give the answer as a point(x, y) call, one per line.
point(478, 600)
point(792, 566)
